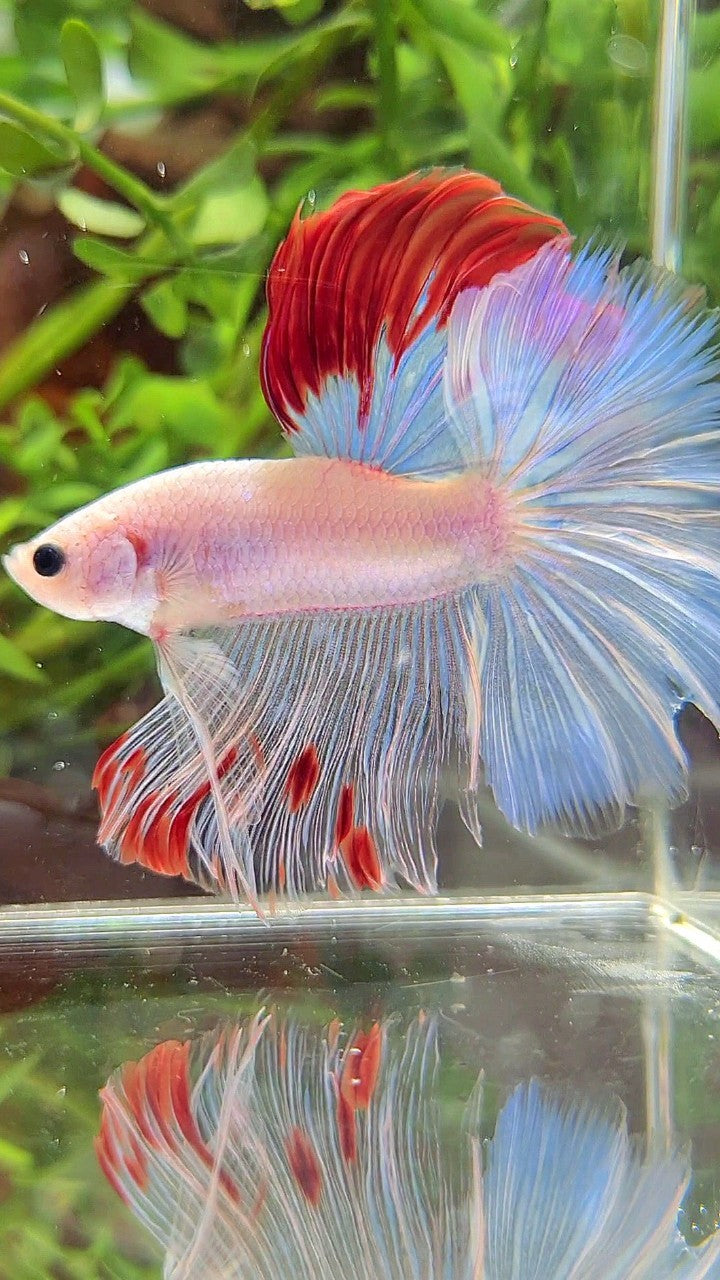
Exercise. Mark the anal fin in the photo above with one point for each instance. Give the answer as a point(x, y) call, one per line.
point(294, 754)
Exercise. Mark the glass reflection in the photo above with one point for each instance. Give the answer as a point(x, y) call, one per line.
point(273, 1148)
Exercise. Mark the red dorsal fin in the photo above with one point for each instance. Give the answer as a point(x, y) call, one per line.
point(391, 260)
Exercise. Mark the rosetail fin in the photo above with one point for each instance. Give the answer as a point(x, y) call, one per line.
point(568, 1195)
point(325, 734)
point(359, 298)
point(590, 398)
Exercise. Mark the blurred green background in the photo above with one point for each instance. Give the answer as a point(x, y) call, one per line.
point(151, 157)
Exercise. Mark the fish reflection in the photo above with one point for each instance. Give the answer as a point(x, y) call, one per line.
point(270, 1149)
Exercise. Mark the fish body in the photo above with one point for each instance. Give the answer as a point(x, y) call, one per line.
point(213, 542)
point(503, 508)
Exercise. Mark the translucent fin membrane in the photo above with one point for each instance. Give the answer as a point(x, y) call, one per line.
point(323, 735)
point(591, 398)
point(568, 1195)
point(324, 1156)
point(271, 1150)
point(358, 298)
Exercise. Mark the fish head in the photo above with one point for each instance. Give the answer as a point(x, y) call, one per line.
point(86, 566)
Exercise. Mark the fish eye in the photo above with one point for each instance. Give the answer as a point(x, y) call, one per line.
point(48, 560)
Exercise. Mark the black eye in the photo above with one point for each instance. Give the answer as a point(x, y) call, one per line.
point(48, 560)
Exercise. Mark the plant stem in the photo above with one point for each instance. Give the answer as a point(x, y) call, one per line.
point(387, 91)
point(126, 184)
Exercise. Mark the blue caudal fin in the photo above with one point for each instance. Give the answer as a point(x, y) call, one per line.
point(590, 396)
point(569, 1195)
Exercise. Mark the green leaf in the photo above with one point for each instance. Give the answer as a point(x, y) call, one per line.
point(705, 106)
point(11, 513)
point(56, 333)
point(23, 155)
point(14, 1158)
point(462, 23)
point(15, 663)
point(84, 71)
point(482, 102)
point(111, 261)
point(182, 408)
point(68, 497)
point(232, 216)
point(166, 309)
point(306, 9)
point(16, 1074)
point(104, 217)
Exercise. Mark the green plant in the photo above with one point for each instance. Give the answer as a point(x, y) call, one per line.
point(552, 97)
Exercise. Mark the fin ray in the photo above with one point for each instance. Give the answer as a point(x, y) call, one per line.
point(360, 295)
point(327, 734)
point(591, 397)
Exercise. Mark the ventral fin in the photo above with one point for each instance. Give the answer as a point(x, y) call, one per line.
point(358, 299)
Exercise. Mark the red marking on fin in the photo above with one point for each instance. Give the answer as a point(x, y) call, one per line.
point(392, 259)
point(259, 1201)
point(305, 1165)
point(108, 766)
point(103, 764)
point(362, 1067)
point(117, 1148)
point(360, 855)
point(302, 777)
point(128, 774)
point(346, 808)
point(157, 1094)
point(347, 1128)
point(258, 752)
point(157, 834)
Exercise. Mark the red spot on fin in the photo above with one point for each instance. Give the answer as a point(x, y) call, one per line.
point(157, 832)
point(346, 809)
point(347, 1128)
point(258, 753)
point(305, 1165)
point(118, 1151)
point(156, 1110)
point(302, 777)
point(360, 855)
point(392, 259)
point(362, 1067)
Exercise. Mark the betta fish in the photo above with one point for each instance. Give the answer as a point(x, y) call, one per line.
point(268, 1149)
point(496, 548)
